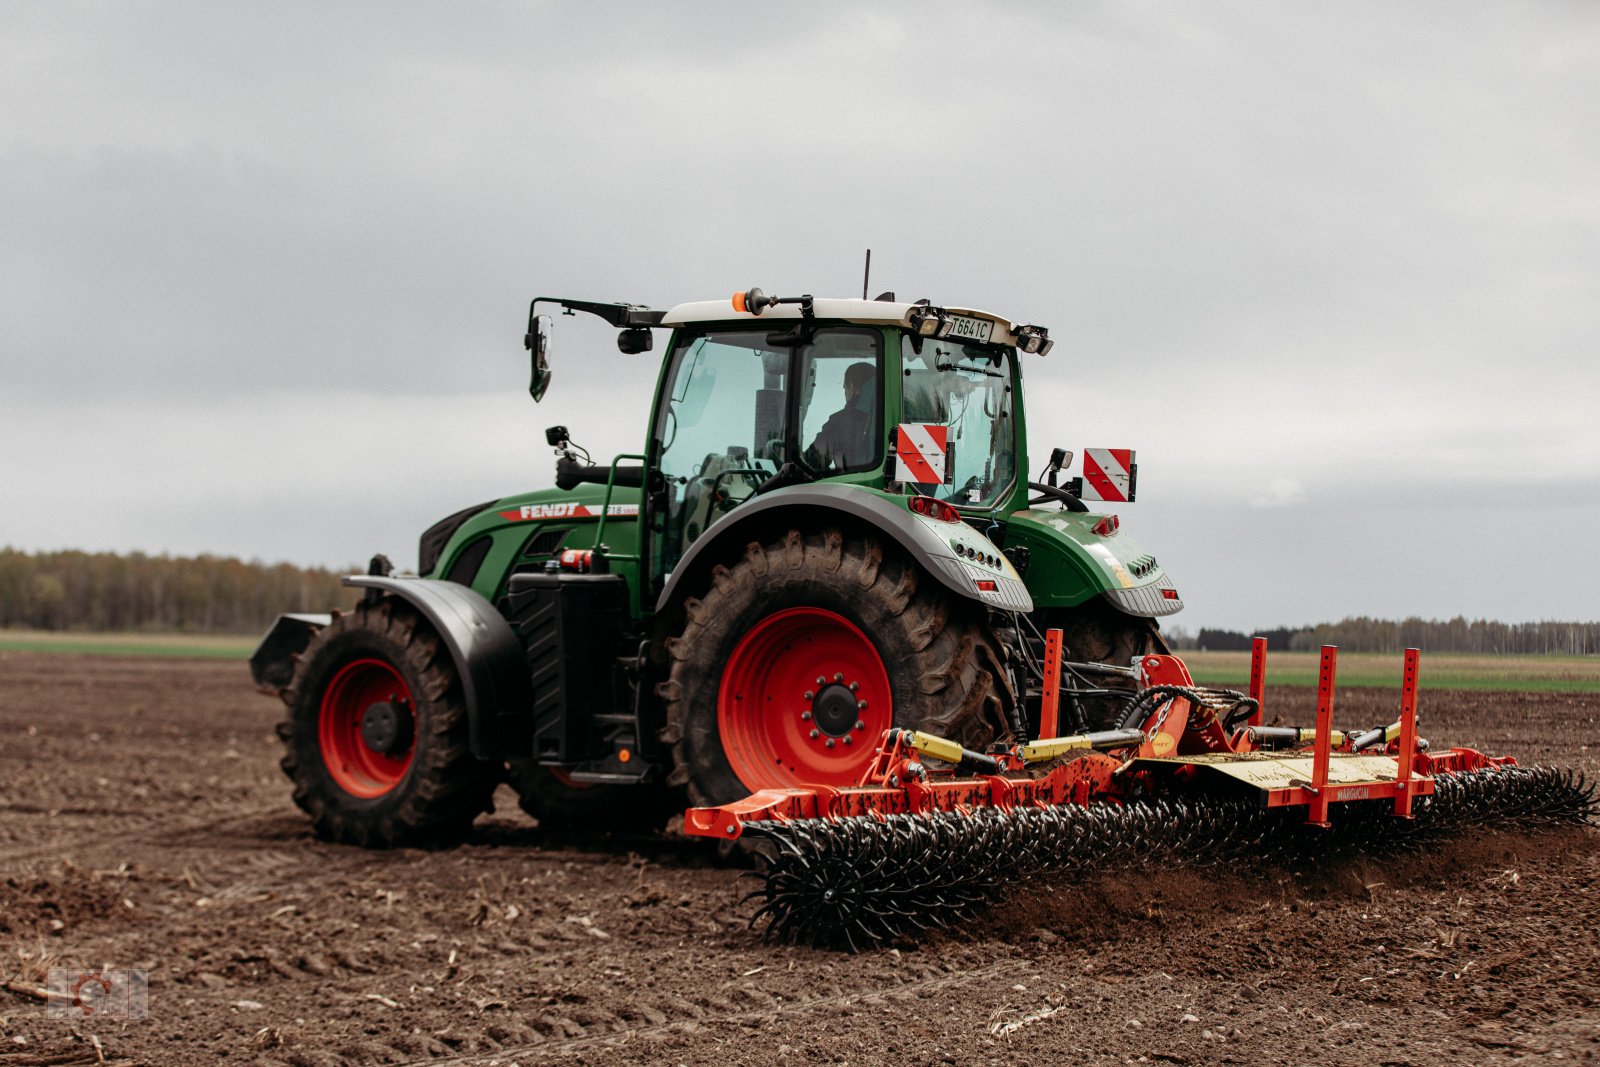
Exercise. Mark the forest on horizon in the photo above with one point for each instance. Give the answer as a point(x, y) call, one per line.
point(115, 592)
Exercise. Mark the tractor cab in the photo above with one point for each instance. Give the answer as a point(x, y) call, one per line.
point(763, 393)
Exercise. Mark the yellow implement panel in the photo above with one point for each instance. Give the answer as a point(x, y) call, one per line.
point(1265, 771)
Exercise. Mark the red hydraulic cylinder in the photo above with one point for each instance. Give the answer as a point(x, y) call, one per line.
point(1318, 815)
point(1406, 754)
point(1050, 701)
point(1258, 678)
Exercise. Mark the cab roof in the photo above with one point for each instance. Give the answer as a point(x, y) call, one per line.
point(866, 312)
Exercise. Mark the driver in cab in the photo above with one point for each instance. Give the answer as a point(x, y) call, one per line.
point(846, 439)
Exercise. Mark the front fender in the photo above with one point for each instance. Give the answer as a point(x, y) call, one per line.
point(490, 660)
point(1069, 563)
point(933, 544)
point(272, 663)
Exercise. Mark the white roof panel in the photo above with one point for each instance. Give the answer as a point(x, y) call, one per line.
point(873, 312)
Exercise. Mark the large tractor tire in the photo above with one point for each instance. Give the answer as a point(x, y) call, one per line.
point(563, 805)
point(377, 733)
point(790, 667)
point(1096, 632)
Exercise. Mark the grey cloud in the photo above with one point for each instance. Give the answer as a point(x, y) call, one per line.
point(1354, 249)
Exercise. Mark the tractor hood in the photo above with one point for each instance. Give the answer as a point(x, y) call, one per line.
point(1070, 562)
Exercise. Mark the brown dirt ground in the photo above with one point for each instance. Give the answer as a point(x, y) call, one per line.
point(144, 823)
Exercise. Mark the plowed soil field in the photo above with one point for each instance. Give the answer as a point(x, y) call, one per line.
point(144, 824)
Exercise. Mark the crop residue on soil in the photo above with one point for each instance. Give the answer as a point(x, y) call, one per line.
point(144, 824)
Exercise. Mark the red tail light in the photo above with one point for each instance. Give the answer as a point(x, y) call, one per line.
point(986, 585)
point(930, 508)
point(1107, 526)
point(1170, 594)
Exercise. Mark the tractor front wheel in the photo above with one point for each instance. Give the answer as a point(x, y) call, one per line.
point(790, 667)
point(376, 733)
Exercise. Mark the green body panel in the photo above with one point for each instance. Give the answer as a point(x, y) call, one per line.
point(1069, 563)
point(513, 521)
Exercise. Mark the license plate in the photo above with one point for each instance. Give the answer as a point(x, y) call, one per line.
point(966, 329)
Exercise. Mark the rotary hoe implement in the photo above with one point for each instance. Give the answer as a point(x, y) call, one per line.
point(1191, 776)
point(826, 608)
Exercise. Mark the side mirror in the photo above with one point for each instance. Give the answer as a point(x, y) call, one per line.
point(632, 342)
point(536, 342)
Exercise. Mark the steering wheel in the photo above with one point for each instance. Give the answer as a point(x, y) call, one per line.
point(1056, 493)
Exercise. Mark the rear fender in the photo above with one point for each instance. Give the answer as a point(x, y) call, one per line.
point(928, 541)
point(487, 655)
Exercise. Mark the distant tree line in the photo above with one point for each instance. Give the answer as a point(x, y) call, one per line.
point(203, 594)
point(1363, 634)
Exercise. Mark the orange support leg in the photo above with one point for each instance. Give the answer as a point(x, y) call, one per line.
point(1050, 702)
point(1406, 754)
point(1258, 678)
point(1318, 815)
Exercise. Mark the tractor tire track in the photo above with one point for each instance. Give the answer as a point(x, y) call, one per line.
point(731, 1015)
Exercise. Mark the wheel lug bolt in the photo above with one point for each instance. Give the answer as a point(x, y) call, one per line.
point(854, 686)
point(861, 705)
point(838, 677)
point(821, 680)
point(816, 733)
point(847, 739)
point(805, 716)
point(830, 742)
point(860, 725)
point(810, 695)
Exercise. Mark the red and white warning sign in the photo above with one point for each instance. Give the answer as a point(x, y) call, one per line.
point(921, 451)
point(1109, 474)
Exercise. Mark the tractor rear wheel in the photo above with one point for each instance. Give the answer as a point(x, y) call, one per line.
point(790, 667)
point(377, 733)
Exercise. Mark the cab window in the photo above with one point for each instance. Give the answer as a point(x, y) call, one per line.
point(967, 389)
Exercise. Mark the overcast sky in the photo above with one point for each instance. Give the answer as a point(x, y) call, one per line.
point(1333, 269)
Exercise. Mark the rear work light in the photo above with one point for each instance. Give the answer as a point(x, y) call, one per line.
point(1034, 340)
point(928, 507)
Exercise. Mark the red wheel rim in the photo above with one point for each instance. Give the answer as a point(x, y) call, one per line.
point(804, 699)
point(355, 766)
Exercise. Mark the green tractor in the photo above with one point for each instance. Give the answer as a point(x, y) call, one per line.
point(830, 531)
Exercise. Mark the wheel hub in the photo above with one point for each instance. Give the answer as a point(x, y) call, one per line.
point(802, 696)
point(387, 726)
point(834, 710)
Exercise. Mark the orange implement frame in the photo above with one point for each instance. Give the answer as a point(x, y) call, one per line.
point(1318, 813)
point(1258, 678)
point(1405, 782)
point(1050, 702)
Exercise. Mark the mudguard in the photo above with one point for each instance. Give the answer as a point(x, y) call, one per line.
point(487, 655)
point(981, 572)
point(1071, 561)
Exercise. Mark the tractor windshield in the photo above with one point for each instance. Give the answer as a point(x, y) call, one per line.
point(967, 389)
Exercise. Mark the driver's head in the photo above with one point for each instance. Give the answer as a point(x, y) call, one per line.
point(857, 380)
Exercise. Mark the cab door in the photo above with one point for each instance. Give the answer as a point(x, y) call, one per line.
point(734, 407)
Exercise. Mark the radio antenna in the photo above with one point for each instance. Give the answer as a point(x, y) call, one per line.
point(866, 275)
